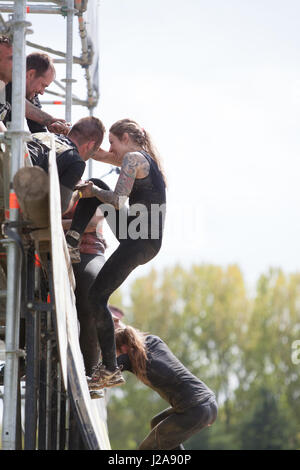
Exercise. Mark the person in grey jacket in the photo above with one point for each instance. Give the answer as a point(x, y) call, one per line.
point(193, 404)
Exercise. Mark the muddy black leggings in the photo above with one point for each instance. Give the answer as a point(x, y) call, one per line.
point(129, 254)
point(85, 273)
point(170, 428)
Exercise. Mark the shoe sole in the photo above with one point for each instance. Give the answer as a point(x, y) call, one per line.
point(96, 386)
point(96, 395)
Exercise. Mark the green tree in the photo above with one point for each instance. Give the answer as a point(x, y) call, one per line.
point(267, 426)
point(273, 327)
point(200, 314)
point(237, 344)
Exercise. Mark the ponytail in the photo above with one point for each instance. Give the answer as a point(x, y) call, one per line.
point(150, 148)
point(141, 137)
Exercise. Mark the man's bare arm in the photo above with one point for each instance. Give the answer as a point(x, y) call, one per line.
point(34, 113)
point(106, 157)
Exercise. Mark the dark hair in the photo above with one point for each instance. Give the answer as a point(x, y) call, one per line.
point(5, 40)
point(87, 129)
point(39, 62)
point(140, 136)
point(135, 341)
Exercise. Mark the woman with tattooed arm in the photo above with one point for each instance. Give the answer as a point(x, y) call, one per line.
point(139, 233)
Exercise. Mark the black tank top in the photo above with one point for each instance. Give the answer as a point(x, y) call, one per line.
point(147, 202)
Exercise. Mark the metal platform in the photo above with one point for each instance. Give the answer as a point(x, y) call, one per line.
point(46, 399)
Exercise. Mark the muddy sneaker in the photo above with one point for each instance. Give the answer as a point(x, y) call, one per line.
point(74, 254)
point(94, 394)
point(102, 377)
point(73, 242)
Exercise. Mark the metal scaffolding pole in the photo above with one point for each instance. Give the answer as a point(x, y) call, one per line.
point(7, 8)
point(10, 438)
point(47, 421)
point(69, 60)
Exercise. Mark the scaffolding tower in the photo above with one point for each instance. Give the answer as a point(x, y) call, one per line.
point(39, 326)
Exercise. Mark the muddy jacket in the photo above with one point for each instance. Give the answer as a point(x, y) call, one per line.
point(70, 165)
point(169, 377)
point(5, 106)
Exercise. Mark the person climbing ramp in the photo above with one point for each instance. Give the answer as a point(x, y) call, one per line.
point(139, 233)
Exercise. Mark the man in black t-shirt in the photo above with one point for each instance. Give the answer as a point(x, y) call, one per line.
point(84, 138)
point(40, 73)
point(32, 111)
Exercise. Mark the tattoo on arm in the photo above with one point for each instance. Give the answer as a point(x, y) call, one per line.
point(36, 114)
point(132, 163)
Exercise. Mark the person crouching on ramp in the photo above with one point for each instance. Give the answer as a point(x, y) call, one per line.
point(193, 404)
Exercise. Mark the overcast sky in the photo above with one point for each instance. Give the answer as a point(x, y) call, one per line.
point(217, 84)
